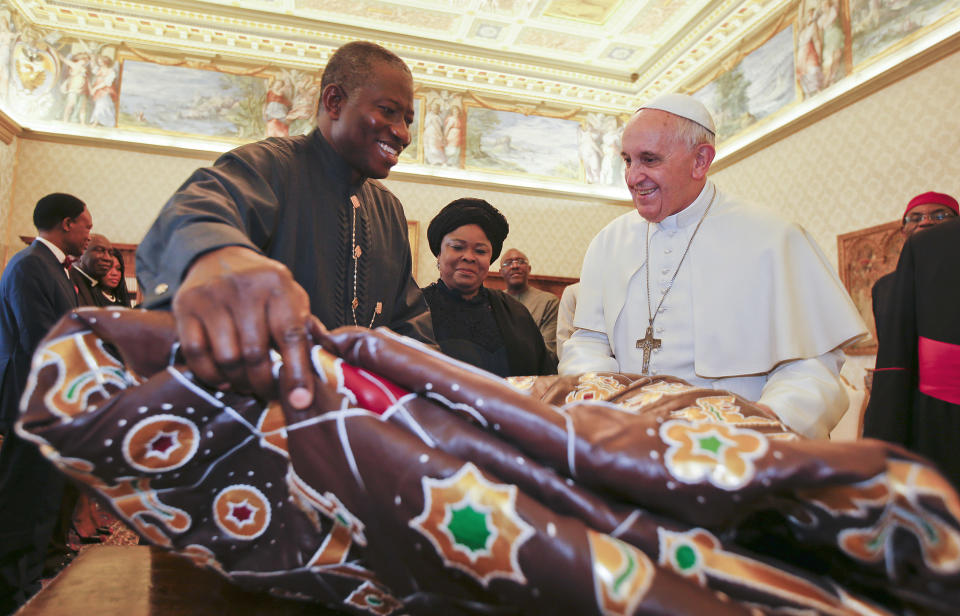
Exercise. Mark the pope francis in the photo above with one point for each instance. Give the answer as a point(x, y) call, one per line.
point(707, 288)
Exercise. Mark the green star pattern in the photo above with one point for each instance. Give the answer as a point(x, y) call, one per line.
point(711, 444)
point(469, 528)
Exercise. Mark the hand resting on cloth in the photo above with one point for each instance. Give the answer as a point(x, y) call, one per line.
point(418, 485)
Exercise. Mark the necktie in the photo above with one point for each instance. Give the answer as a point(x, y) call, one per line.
point(68, 261)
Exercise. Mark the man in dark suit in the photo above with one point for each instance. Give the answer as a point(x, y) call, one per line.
point(35, 291)
point(92, 266)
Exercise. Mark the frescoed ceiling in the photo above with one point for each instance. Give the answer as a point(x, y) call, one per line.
point(601, 55)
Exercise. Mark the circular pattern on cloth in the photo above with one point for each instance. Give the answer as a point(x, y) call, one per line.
point(161, 443)
point(241, 511)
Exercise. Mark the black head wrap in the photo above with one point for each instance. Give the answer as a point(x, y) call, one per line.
point(468, 211)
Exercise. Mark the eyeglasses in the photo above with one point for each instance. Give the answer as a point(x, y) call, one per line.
point(938, 216)
point(512, 262)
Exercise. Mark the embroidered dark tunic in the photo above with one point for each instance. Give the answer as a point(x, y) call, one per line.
point(289, 199)
point(492, 331)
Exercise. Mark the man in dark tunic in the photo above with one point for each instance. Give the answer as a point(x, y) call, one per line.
point(286, 236)
point(915, 399)
point(924, 211)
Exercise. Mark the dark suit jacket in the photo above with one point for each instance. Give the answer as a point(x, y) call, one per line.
point(89, 295)
point(34, 294)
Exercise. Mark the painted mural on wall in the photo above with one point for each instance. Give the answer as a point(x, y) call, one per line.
point(515, 143)
point(758, 86)
point(443, 129)
point(821, 42)
point(877, 25)
point(412, 153)
point(193, 102)
point(822, 45)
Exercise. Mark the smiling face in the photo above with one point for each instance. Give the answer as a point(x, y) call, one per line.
point(370, 125)
point(664, 174)
point(464, 259)
point(113, 276)
point(925, 213)
point(76, 233)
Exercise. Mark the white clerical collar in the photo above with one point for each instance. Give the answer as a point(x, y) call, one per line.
point(691, 214)
point(93, 281)
point(59, 254)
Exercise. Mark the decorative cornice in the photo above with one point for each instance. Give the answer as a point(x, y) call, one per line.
point(8, 128)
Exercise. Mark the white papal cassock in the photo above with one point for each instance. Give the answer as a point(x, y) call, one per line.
point(755, 309)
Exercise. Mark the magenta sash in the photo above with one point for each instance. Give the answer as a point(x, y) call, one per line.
point(939, 368)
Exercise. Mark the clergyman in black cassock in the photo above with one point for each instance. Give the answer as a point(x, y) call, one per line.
point(915, 399)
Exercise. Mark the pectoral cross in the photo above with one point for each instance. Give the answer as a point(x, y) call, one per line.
point(648, 343)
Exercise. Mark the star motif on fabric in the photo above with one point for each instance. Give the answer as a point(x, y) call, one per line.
point(473, 524)
point(162, 445)
point(469, 528)
point(242, 513)
point(719, 453)
point(710, 443)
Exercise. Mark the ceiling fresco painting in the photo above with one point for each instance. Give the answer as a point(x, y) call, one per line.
point(490, 75)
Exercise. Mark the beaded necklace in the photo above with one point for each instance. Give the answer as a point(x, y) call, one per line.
point(356, 252)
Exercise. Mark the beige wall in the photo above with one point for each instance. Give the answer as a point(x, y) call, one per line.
point(125, 189)
point(8, 157)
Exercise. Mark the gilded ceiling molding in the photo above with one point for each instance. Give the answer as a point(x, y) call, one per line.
point(8, 128)
point(705, 44)
point(212, 64)
point(539, 109)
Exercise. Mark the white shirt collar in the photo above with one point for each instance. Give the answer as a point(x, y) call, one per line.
point(691, 214)
point(59, 254)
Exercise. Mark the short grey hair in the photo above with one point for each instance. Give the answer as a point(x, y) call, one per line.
point(691, 133)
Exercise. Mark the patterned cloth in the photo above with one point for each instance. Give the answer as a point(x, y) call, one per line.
point(416, 485)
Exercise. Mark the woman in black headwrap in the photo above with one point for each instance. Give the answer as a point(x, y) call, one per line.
point(483, 327)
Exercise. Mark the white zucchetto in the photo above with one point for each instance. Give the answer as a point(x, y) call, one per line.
point(684, 106)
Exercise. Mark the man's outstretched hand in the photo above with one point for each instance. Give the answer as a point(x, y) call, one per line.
point(234, 306)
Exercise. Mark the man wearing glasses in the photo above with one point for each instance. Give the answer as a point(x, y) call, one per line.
point(923, 211)
point(515, 269)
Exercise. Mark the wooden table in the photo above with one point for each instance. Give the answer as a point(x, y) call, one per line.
point(147, 581)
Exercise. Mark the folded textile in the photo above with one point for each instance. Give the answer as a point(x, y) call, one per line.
point(415, 484)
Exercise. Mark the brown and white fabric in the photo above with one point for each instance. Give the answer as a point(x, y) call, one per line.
point(418, 485)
